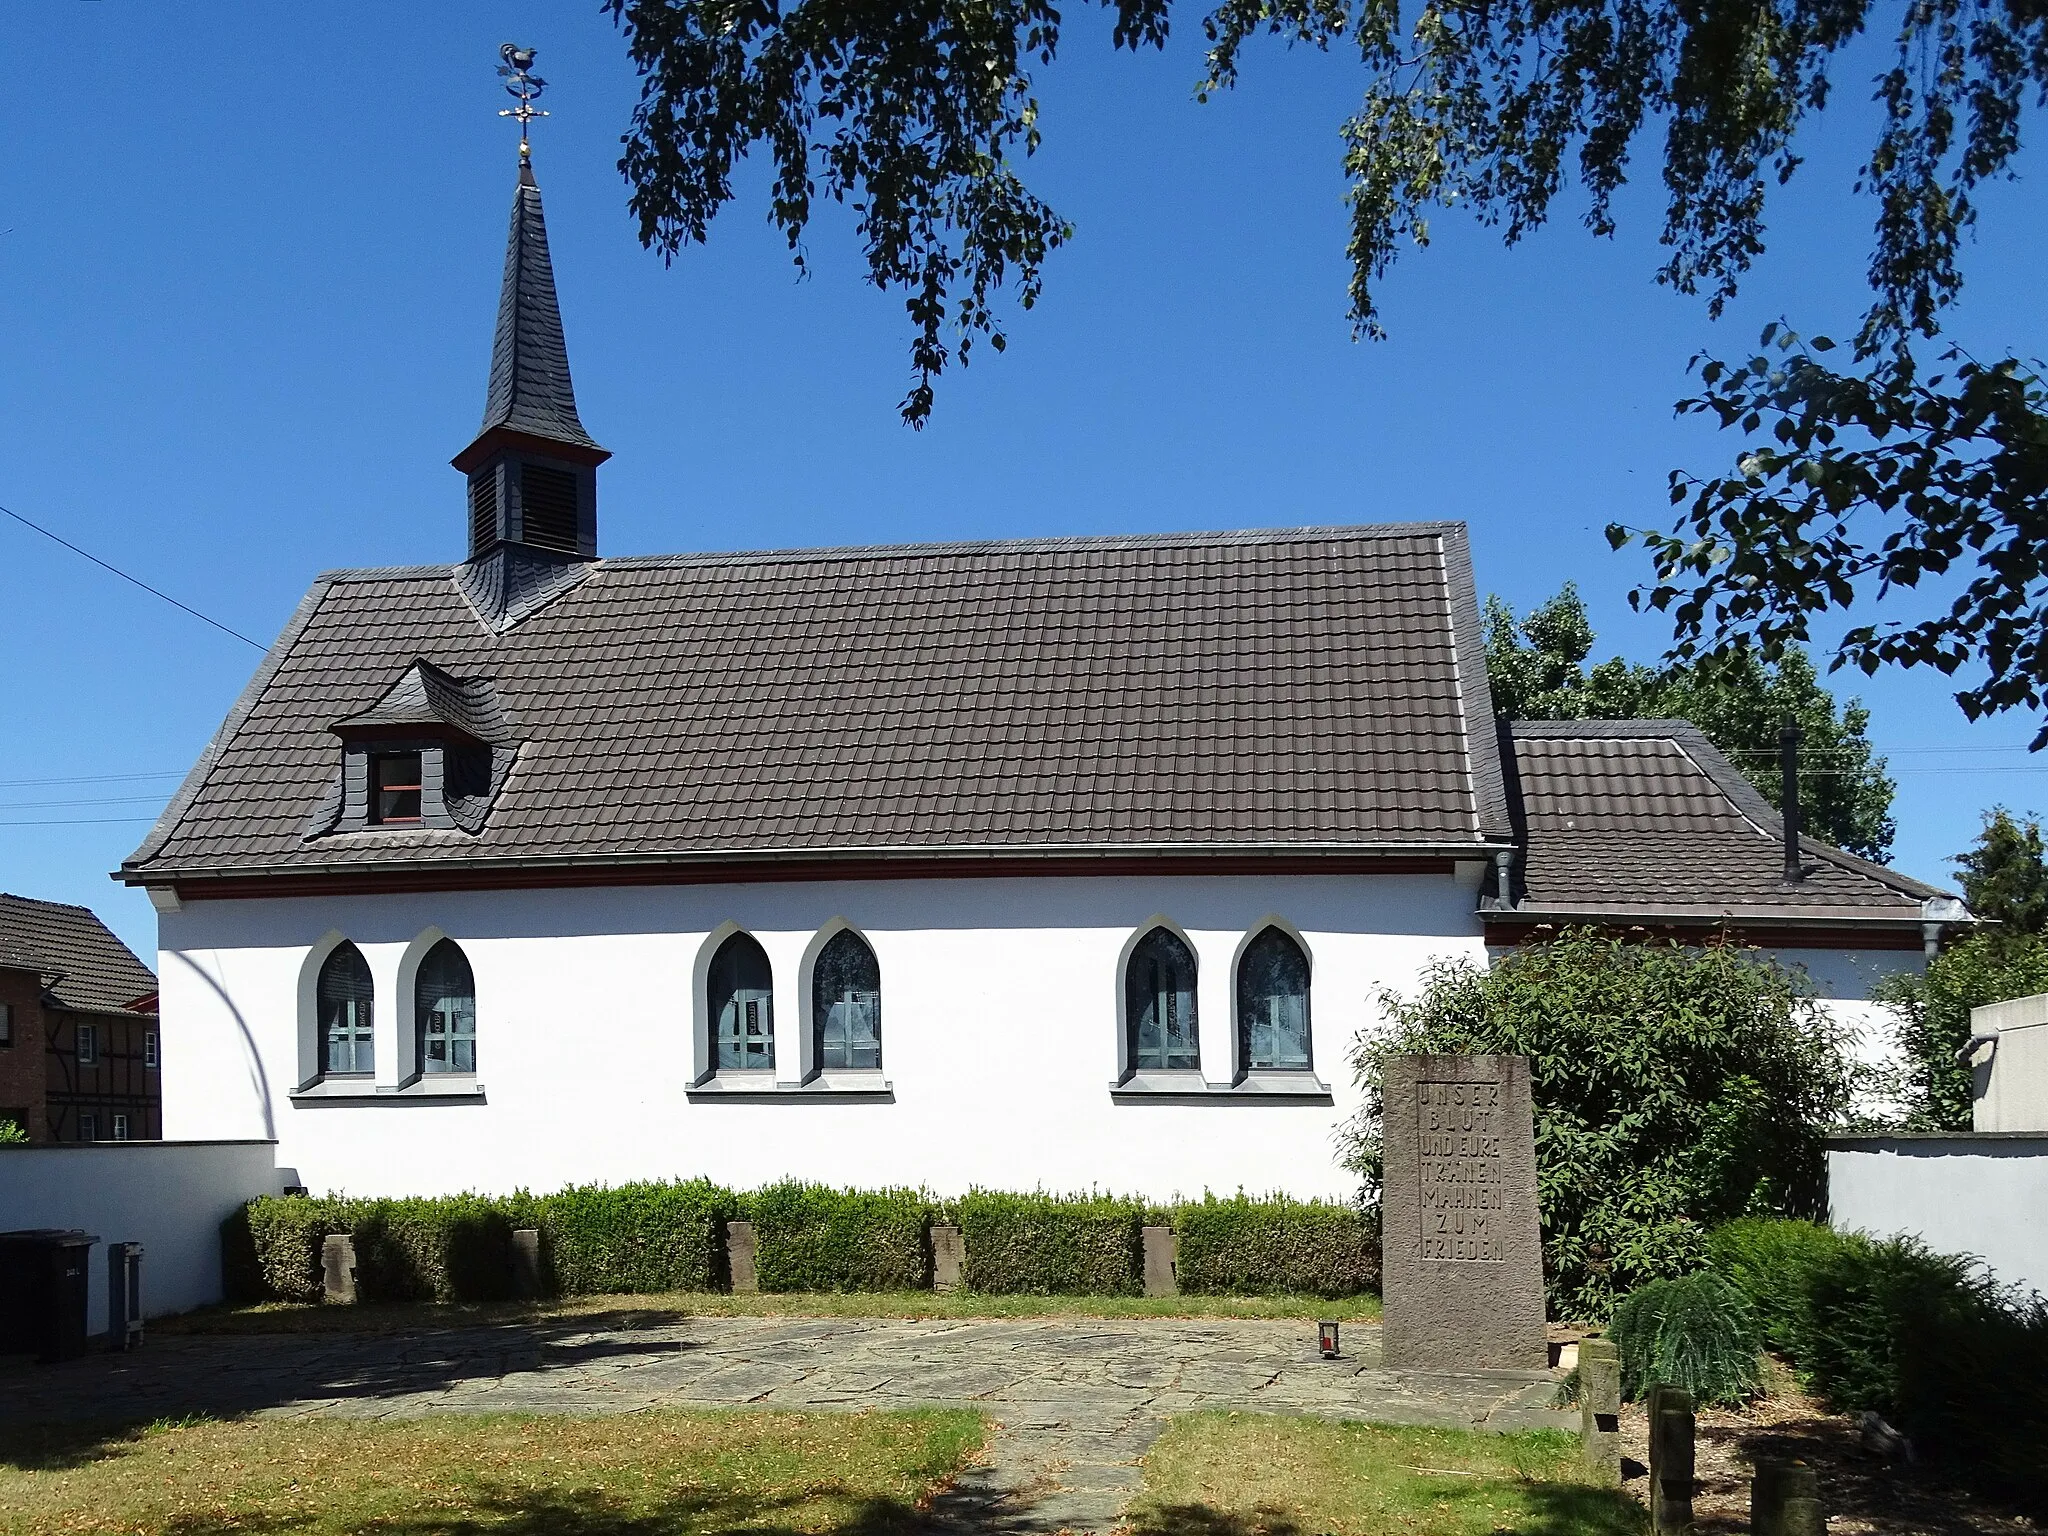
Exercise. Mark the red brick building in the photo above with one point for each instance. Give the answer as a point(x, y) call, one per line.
point(78, 1028)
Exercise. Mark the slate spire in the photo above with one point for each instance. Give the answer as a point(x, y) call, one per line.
point(532, 468)
point(530, 389)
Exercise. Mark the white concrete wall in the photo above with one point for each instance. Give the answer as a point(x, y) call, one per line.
point(1000, 1034)
point(168, 1196)
point(1982, 1195)
point(1842, 980)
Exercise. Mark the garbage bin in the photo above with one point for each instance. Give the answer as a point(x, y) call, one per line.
point(43, 1292)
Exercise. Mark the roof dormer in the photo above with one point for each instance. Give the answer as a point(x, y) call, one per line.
point(432, 751)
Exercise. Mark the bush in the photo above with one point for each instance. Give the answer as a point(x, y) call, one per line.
point(1276, 1247)
point(809, 1237)
point(635, 1238)
point(285, 1234)
point(1772, 1263)
point(1675, 1089)
point(455, 1248)
point(1052, 1245)
point(1928, 1340)
point(1931, 1018)
point(1697, 1332)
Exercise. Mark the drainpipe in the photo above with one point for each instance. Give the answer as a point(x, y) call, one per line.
point(1504, 862)
point(1788, 769)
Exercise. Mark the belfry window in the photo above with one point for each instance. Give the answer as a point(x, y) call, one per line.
point(444, 1010)
point(1159, 1004)
point(1272, 1004)
point(846, 1004)
point(394, 787)
point(741, 1003)
point(347, 1041)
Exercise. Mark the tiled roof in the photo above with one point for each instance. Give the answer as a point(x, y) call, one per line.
point(93, 970)
point(1647, 818)
point(1305, 690)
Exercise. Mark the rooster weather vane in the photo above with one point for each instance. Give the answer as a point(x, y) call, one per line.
point(520, 81)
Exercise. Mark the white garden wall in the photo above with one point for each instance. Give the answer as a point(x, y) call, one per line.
point(1984, 1193)
point(1000, 1035)
point(169, 1196)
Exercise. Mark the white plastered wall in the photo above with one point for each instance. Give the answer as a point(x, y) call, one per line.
point(1842, 980)
point(999, 1028)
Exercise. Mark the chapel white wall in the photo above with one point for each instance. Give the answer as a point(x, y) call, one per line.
point(1000, 1034)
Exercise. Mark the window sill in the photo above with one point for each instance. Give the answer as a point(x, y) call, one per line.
point(1191, 1088)
point(759, 1088)
point(359, 1090)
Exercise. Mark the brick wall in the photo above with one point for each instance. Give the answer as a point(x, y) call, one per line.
point(22, 1068)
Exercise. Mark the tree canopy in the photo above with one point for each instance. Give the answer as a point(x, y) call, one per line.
point(2005, 874)
point(1862, 481)
point(1537, 668)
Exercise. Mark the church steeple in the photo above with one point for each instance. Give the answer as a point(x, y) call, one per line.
point(532, 468)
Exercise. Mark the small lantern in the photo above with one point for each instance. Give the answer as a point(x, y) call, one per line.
point(1326, 1339)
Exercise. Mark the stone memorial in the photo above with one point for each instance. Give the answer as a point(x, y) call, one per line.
point(1461, 1241)
point(338, 1269)
point(1162, 1261)
point(949, 1258)
point(529, 1276)
point(1600, 1408)
point(739, 1257)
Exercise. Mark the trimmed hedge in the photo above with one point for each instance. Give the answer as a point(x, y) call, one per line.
point(1052, 1245)
point(635, 1238)
point(646, 1237)
point(1277, 1247)
point(809, 1237)
point(1928, 1340)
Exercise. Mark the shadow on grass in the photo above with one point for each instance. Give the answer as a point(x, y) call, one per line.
point(551, 1512)
point(1553, 1509)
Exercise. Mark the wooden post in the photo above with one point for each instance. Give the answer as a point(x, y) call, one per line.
point(1784, 1500)
point(1600, 1408)
point(1671, 1461)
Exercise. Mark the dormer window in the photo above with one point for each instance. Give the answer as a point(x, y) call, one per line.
point(394, 787)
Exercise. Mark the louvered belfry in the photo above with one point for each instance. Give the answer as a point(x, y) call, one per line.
point(532, 468)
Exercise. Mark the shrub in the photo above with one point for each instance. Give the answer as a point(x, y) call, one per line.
point(285, 1234)
point(809, 1237)
point(1675, 1089)
point(1276, 1247)
point(1928, 1340)
point(1052, 1245)
point(1697, 1332)
point(455, 1248)
point(1772, 1263)
point(1931, 1018)
point(635, 1238)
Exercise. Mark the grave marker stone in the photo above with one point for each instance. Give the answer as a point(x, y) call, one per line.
point(739, 1257)
point(949, 1258)
point(1462, 1247)
point(338, 1269)
point(1162, 1256)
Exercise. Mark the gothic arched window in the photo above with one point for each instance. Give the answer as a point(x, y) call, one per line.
point(1159, 1004)
point(846, 1004)
point(347, 1043)
point(444, 1010)
point(1272, 1004)
point(741, 1004)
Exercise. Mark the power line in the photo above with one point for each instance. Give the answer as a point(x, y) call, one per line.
point(78, 821)
point(135, 580)
point(92, 778)
point(44, 805)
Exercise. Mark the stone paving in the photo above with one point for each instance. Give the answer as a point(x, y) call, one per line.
point(1078, 1401)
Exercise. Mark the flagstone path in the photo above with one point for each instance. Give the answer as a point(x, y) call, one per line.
point(1078, 1401)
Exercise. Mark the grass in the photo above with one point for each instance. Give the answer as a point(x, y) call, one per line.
point(1229, 1474)
point(664, 1472)
point(285, 1317)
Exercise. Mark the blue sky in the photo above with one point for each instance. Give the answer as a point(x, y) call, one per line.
point(249, 257)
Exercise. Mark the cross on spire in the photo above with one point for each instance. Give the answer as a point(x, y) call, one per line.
point(520, 81)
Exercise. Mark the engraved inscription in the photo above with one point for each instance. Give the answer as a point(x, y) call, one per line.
point(1462, 1194)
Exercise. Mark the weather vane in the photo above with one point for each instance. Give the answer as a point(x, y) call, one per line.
point(520, 81)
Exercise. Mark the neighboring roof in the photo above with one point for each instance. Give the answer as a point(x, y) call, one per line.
point(83, 964)
point(1307, 690)
point(530, 389)
point(1647, 819)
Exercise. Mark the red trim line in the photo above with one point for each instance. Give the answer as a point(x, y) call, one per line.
point(781, 871)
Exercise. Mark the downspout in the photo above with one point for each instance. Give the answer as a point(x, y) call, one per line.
point(1504, 864)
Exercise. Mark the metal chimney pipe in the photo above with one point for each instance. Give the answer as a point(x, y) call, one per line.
point(1788, 799)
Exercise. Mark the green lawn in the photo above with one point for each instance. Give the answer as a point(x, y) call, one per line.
point(278, 1317)
point(1229, 1474)
point(667, 1472)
